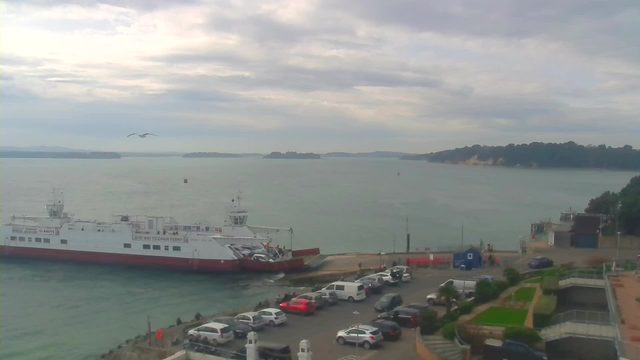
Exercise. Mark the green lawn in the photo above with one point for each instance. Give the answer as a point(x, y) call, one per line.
point(535, 280)
point(524, 294)
point(497, 316)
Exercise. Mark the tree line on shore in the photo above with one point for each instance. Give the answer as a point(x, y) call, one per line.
point(623, 207)
point(538, 154)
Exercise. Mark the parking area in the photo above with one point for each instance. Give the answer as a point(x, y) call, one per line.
point(321, 328)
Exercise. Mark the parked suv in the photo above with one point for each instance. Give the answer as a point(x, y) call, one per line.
point(366, 336)
point(213, 332)
point(253, 319)
point(330, 296)
point(315, 297)
point(402, 316)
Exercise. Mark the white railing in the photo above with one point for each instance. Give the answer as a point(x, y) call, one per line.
point(584, 317)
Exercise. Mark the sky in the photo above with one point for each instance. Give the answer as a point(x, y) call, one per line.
point(331, 75)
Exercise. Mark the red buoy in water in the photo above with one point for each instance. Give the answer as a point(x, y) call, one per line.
point(186, 181)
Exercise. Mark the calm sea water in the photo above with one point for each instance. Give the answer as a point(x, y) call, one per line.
point(69, 311)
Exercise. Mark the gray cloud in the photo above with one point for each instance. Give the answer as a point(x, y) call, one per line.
point(406, 71)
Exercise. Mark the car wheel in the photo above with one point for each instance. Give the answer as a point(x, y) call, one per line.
point(431, 302)
point(351, 299)
point(213, 342)
point(366, 345)
point(341, 340)
point(191, 337)
point(272, 323)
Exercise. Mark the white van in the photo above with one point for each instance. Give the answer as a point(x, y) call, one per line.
point(464, 286)
point(351, 291)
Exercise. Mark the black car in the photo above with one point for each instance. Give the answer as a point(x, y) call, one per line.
point(422, 308)
point(239, 329)
point(388, 302)
point(540, 262)
point(389, 329)
point(402, 316)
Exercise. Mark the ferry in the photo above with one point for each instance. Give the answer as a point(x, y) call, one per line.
point(158, 241)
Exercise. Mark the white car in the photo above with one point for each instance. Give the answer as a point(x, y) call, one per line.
point(406, 276)
point(213, 332)
point(363, 335)
point(261, 257)
point(386, 276)
point(273, 316)
point(253, 319)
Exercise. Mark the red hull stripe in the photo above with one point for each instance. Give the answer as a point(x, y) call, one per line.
point(305, 252)
point(122, 259)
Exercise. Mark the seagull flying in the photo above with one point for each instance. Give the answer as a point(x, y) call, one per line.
point(142, 135)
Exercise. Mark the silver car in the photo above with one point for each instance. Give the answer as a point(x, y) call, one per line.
point(317, 298)
point(330, 296)
point(366, 336)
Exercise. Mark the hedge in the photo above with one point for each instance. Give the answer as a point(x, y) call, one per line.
point(449, 331)
point(522, 334)
point(543, 310)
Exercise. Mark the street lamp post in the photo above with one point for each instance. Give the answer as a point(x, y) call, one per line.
point(617, 232)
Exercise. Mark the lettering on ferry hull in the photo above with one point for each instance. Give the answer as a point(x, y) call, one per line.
point(158, 238)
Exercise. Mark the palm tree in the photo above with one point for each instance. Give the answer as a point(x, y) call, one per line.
point(449, 295)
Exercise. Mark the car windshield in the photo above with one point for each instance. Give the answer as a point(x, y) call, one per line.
point(384, 299)
point(375, 332)
point(257, 318)
point(279, 313)
point(225, 329)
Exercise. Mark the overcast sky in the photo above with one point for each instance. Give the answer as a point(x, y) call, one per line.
point(343, 75)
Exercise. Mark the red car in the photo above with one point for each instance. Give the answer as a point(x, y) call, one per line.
point(299, 306)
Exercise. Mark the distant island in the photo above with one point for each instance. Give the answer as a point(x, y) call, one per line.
point(537, 154)
point(374, 154)
point(291, 155)
point(58, 155)
point(211, 155)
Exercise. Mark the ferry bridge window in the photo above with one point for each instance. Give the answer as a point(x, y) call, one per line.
point(166, 247)
point(127, 246)
point(176, 248)
point(156, 247)
point(63, 241)
point(146, 247)
point(14, 238)
point(21, 238)
point(39, 240)
point(46, 240)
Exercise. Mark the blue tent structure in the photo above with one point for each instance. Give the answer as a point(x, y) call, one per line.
point(471, 258)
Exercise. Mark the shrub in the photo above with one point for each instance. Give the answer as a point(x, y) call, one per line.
point(512, 275)
point(449, 331)
point(466, 307)
point(549, 285)
point(522, 334)
point(449, 318)
point(429, 323)
point(485, 291)
point(597, 261)
point(501, 285)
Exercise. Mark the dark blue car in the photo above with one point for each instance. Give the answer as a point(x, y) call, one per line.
point(540, 262)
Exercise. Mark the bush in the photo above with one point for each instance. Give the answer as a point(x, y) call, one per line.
point(522, 334)
point(512, 275)
point(485, 291)
point(429, 323)
point(501, 285)
point(449, 331)
point(449, 318)
point(466, 307)
point(543, 310)
point(550, 285)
